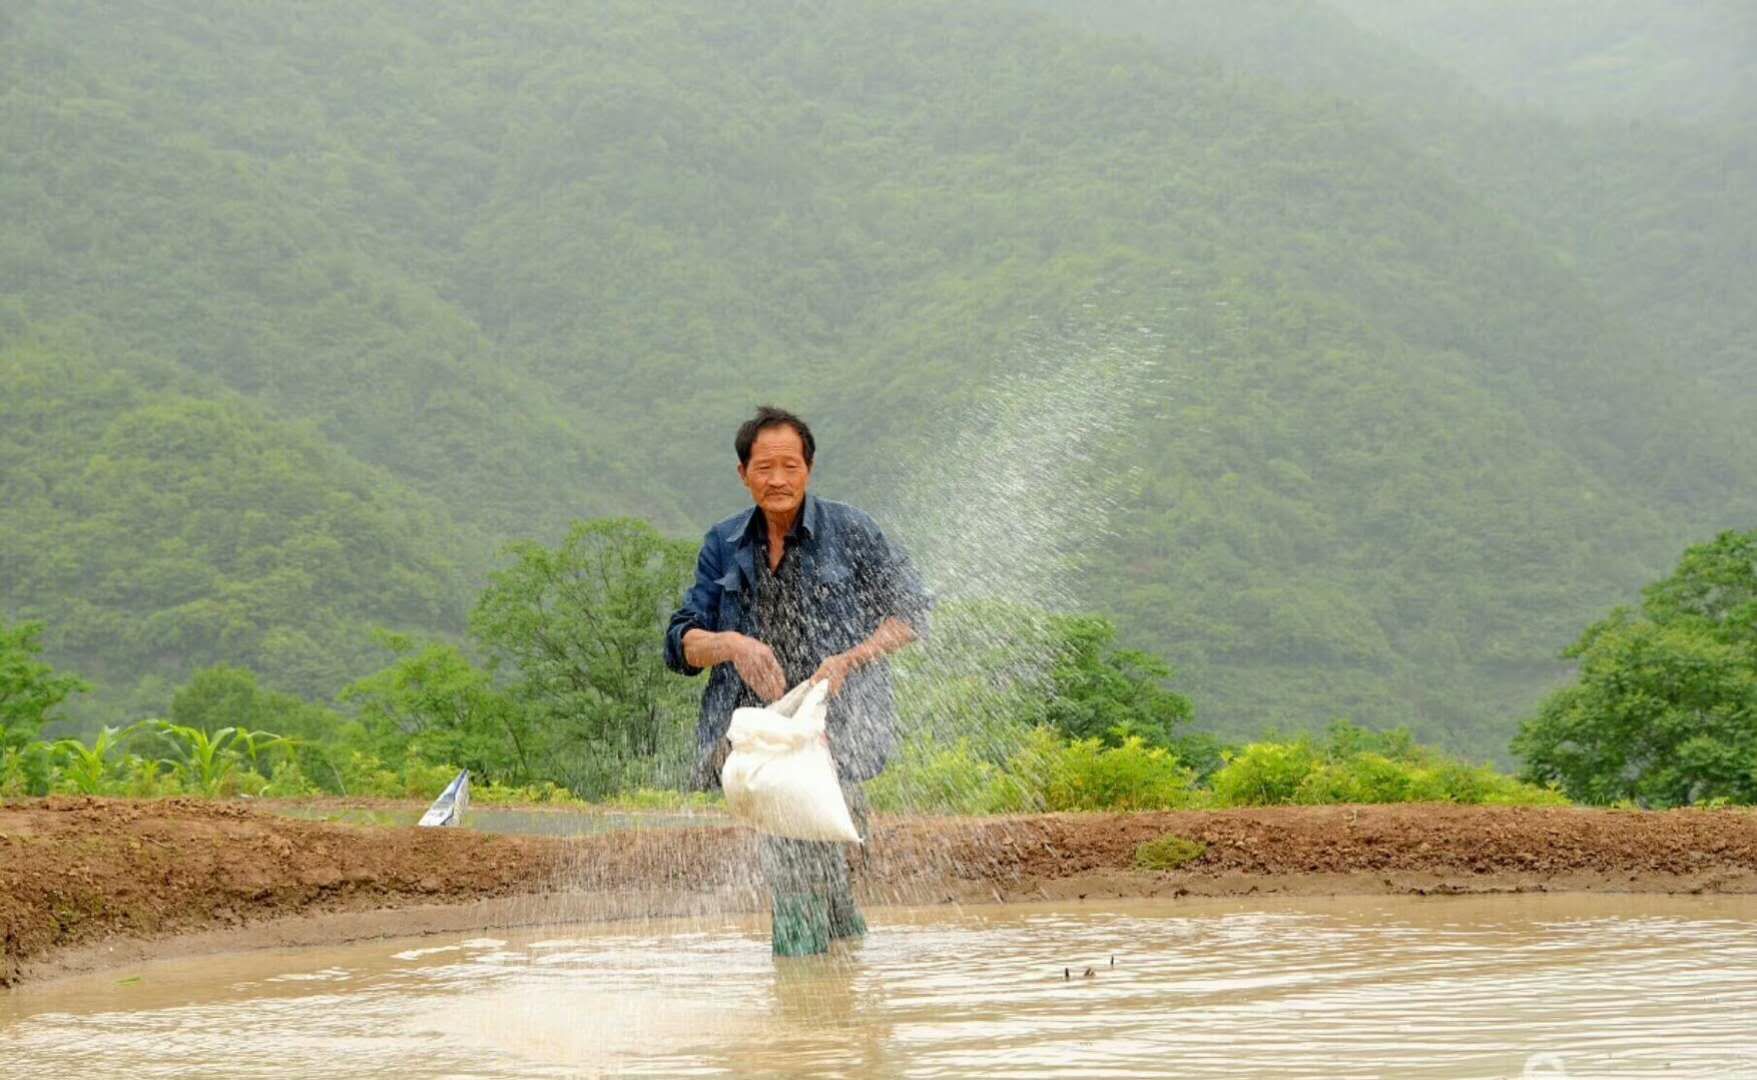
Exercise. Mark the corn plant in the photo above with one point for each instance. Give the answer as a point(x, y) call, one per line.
point(87, 766)
point(202, 761)
point(257, 743)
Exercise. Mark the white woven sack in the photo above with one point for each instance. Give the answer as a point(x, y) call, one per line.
point(779, 775)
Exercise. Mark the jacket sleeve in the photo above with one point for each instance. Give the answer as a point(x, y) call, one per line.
point(701, 603)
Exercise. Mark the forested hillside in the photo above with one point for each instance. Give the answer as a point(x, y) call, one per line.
point(1648, 205)
point(303, 307)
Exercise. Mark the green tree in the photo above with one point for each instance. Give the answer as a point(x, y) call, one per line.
point(1664, 711)
point(29, 689)
point(224, 695)
point(1104, 692)
point(576, 632)
point(434, 703)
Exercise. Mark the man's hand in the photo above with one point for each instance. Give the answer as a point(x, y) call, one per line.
point(758, 668)
point(755, 662)
point(891, 635)
point(835, 669)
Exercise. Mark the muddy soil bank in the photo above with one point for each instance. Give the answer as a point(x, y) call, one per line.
point(86, 882)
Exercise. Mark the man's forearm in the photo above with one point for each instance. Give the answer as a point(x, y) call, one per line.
point(891, 635)
point(705, 648)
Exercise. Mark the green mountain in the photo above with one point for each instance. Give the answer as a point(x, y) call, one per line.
point(1105, 313)
point(1648, 205)
point(159, 522)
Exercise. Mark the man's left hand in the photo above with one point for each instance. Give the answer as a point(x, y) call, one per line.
point(836, 669)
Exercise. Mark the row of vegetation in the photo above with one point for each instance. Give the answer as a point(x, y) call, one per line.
point(561, 695)
point(1049, 772)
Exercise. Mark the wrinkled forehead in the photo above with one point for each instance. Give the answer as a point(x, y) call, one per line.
point(777, 443)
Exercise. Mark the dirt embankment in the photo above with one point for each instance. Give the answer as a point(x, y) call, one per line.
point(79, 875)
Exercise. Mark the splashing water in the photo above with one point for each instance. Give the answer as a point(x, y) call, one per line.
point(1001, 519)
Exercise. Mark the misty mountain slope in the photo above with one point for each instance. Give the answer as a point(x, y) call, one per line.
point(182, 188)
point(156, 530)
point(1586, 58)
point(1390, 450)
point(1649, 190)
point(1649, 208)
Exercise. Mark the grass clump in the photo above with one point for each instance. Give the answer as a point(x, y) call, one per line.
point(1168, 852)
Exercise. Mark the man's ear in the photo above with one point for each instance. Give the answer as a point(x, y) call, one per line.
point(742, 467)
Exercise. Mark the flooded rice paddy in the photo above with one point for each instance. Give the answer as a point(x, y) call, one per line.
point(1368, 986)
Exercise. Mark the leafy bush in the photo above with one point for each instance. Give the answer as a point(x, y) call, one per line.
point(1134, 776)
point(1367, 778)
point(1047, 772)
point(289, 782)
point(1355, 765)
point(943, 779)
point(1265, 774)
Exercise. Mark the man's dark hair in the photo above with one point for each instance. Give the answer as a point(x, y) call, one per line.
point(767, 416)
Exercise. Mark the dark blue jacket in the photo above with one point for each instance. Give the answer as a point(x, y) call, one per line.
point(860, 579)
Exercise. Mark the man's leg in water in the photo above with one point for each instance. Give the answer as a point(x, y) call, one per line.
point(799, 873)
point(812, 894)
point(845, 917)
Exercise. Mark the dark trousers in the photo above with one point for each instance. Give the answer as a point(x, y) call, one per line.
point(812, 891)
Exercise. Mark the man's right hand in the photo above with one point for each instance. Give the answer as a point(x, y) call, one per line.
point(758, 668)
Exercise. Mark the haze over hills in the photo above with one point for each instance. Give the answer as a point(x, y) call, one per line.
point(307, 307)
point(1586, 58)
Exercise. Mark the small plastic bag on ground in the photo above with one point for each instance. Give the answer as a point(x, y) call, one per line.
point(779, 775)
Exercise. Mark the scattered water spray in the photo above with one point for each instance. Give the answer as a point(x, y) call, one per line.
point(1000, 515)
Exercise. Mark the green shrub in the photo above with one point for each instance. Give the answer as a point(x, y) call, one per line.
point(1265, 774)
point(1169, 852)
point(1023, 784)
point(1370, 777)
point(423, 781)
point(12, 782)
point(290, 782)
point(1483, 785)
point(1046, 772)
point(1367, 778)
point(1134, 776)
point(928, 777)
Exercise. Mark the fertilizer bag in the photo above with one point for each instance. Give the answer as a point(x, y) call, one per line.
point(779, 775)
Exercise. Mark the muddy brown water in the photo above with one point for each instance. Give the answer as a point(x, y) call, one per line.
point(1370, 986)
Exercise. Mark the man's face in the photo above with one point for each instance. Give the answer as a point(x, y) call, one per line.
point(777, 474)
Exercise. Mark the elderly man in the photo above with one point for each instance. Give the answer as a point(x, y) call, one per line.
point(797, 588)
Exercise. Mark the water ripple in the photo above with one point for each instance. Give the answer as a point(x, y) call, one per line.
point(1542, 986)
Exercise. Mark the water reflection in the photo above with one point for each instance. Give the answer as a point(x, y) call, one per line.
point(1368, 986)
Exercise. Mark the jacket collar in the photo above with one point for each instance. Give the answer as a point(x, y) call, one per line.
point(741, 529)
point(741, 532)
